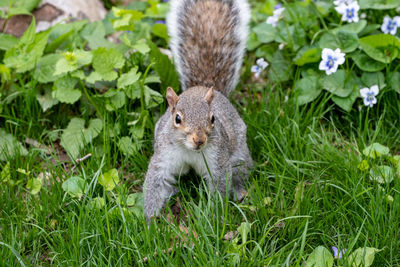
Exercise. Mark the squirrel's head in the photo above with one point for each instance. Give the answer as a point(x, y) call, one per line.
point(192, 117)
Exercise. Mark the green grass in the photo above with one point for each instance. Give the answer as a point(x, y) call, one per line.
point(305, 191)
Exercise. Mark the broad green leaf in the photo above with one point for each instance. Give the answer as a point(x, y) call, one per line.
point(76, 136)
point(382, 174)
point(382, 4)
point(152, 98)
point(141, 46)
point(366, 63)
point(131, 200)
point(164, 68)
point(362, 257)
point(252, 41)
point(363, 166)
point(347, 103)
point(265, 32)
point(280, 67)
point(320, 257)
point(44, 71)
point(7, 41)
point(373, 78)
point(109, 179)
point(376, 150)
point(160, 30)
point(114, 99)
point(94, 33)
point(128, 78)
point(5, 175)
point(307, 89)
point(45, 98)
point(337, 85)
point(307, 55)
point(75, 186)
point(29, 35)
point(125, 19)
point(347, 41)
point(64, 90)
point(381, 47)
point(26, 54)
point(71, 61)
point(126, 146)
point(394, 79)
point(5, 73)
point(105, 60)
point(244, 230)
point(138, 126)
point(97, 203)
point(355, 27)
point(10, 147)
point(34, 185)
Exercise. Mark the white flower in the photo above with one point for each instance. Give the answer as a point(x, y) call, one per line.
point(349, 12)
point(390, 25)
point(339, 2)
point(331, 60)
point(281, 46)
point(369, 95)
point(273, 20)
point(261, 65)
point(363, 15)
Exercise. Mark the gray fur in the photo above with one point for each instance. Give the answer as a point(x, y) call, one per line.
point(205, 57)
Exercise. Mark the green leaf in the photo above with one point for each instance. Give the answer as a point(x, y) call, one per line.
point(126, 146)
point(114, 99)
point(382, 4)
point(5, 174)
point(26, 54)
point(160, 30)
point(109, 179)
point(94, 33)
point(75, 186)
point(10, 147)
point(355, 27)
point(394, 79)
point(244, 230)
point(164, 68)
point(45, 98)
point(152, 98)
point(307, 55)
point(320, 257)
point(7, 41)
point(76, 136)
point(307, 89)
point(362, 257)
point(347, 103)
point(279, 70)
point(366, 63)
point(64, 90)
point(5, 73)
point(336, 84)
point(141, 46)
point(363, 166)
point(375, 150)
point(252, 42)
point(71, 61)
point(44, 71)
point(97, 203)
point(382, 174)
point(34, 185)
point(381, 47)
point(105, 60)
point(128, 78)
point(347, 41)
point(265, 32)
point(373, 78)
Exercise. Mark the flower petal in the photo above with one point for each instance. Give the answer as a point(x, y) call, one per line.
point(366, 102)
point(335, 252)
point(326, 52)
point(255, 68)
point(364, 92)
point(375, 89)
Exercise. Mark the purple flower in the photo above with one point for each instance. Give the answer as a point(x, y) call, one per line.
point(338, 254)
point(390, 25)
point(278, 6)
point(160, 21)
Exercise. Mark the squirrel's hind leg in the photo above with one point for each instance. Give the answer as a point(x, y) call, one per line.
point(240, 174)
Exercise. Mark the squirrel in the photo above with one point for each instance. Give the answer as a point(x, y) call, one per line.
point(201, 129)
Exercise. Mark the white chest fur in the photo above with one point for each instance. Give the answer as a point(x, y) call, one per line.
point(178, 160)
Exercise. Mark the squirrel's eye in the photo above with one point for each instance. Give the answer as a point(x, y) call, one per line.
point(178, 119)
point(212, 119)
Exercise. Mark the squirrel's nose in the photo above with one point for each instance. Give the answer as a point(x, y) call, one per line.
point(198, 141)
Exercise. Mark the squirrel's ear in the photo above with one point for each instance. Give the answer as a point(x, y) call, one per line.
point(210, 95)
point(172, 98)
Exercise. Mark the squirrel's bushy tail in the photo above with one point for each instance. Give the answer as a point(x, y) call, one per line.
point(208, 39)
